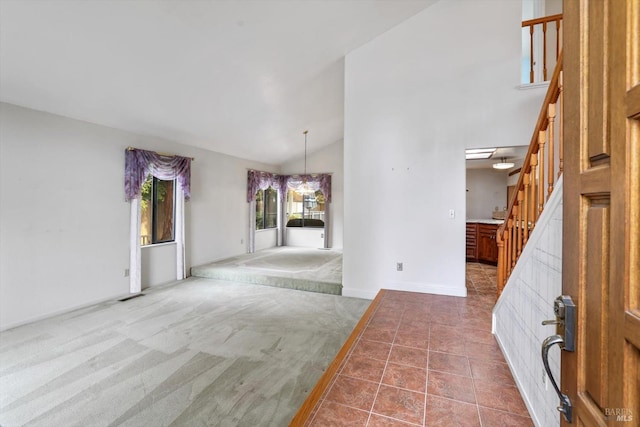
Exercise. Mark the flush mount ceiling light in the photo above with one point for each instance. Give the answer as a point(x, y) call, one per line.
point(503, 164)
point(479, 153)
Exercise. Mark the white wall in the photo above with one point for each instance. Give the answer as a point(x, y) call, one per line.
point(218, 225)
point(158, 264)
point(486, 189)
point(552, 7)
point(328, 159)
point(534, 284)
point(415, 98)
point(64, 224)
point(266, 239)
point(305, 237)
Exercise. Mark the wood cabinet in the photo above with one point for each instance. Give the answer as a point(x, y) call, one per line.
point(481, 243)
point(487, 244)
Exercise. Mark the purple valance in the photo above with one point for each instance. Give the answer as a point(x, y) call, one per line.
point(321, 181)
point(257, 180)
point(140, 163)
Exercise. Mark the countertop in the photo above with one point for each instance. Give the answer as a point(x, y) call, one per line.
point(486, 221)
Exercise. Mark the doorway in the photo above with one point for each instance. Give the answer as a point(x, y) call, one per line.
point(487, 198)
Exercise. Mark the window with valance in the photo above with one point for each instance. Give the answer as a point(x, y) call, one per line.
point(150, 186)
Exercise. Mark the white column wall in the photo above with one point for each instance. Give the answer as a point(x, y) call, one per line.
point(415, 98)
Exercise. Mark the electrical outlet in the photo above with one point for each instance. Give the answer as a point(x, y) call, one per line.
point(241, 241)
point(399, 266)
point(126, 272)
point(452, 214)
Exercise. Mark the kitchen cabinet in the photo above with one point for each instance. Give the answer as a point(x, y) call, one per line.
point(481, 242)
point(487, 244)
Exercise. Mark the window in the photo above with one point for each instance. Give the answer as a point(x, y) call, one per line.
point(266, 209)
point(306, 209)
point(157, 211)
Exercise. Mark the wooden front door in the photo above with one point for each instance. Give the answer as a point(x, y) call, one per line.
point(601, 240)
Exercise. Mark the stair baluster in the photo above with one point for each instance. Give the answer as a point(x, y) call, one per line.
point(536, 181)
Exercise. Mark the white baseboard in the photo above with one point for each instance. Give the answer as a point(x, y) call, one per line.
point(11, 325)
point(359, 293)
point(428, 288)
point(117, 297)
point(436, 289)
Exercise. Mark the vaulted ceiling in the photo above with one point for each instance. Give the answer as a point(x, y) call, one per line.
point(243, 78)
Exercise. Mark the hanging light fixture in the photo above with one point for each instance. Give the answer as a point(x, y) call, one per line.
point(304, 188)
point(503, 164)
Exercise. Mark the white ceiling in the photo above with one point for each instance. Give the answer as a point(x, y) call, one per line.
point(239, 77)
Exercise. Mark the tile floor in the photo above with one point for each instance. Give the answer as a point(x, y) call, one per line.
point(426, 360)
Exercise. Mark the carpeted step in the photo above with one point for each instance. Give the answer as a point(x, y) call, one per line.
point(235, 275)
point(302, 269)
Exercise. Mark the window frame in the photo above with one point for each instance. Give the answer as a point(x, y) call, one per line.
point(153, 204)
point(307, 202)
point(265, 205)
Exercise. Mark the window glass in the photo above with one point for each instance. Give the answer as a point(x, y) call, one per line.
point(163, 210)
point(157, 211)
point(305, 207)
point(260, 210)
point(266, 209)
point(270, 208)
point(146, 204)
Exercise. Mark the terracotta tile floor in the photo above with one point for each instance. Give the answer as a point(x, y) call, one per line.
point(425, 360)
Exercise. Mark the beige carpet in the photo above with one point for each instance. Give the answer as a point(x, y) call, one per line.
point(315, 270)
point(198, 353)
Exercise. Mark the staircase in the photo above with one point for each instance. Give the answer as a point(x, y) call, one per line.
point(530, 253)
point(541, 168)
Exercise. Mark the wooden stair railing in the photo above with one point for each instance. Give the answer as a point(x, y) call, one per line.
point(536, 181)
point(553, 20)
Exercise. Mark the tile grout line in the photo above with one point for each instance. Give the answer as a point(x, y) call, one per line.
point(375, 397)
point(426, 381)
point(475, 395)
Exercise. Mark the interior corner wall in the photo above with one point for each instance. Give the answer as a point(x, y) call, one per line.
point(64, 223)
point(415, 98)
point(328, 159)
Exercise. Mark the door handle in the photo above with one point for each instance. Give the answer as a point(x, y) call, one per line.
point(566, 313)
point(565, 403)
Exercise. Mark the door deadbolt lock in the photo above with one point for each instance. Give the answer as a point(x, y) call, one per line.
point(565, 311)
point(559, 307)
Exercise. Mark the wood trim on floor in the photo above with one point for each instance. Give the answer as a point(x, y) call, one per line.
point(324, 382)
